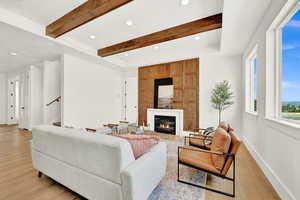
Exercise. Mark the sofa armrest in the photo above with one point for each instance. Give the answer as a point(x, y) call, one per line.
point(141, 177)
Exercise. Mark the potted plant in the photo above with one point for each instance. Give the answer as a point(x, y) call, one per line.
point(221, 97)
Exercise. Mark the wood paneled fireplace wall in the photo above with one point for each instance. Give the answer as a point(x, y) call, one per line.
point(185, 75)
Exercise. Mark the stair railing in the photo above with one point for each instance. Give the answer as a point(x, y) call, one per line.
point(55, 100)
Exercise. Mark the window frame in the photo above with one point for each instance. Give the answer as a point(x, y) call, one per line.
point(278, 64)
point(272, 69)
point(250, 106)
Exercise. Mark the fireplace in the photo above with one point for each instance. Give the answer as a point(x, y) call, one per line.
point(165, 124)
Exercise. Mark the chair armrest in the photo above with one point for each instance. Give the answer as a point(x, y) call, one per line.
point(197, 137)
point(144, 174)
point(200, 137)
point(205, 151)
point(201, 150)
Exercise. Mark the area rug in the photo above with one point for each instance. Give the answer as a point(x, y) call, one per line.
point(170, 189)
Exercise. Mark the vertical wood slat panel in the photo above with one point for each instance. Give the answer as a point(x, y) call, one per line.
point(185, 76)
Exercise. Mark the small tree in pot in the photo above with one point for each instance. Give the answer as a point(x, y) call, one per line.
point(221, 97)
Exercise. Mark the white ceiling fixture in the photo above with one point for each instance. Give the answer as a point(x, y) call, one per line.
point(129, 22)
point(126, 54)
point(197, 38)
point(13, 53)
point(92, 37)
point(184, 2)
point(156, 48)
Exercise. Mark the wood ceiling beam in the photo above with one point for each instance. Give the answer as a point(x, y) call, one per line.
point(184, 30)
point(83, 14)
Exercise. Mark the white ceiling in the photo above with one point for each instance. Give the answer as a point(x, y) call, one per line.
point(43, 12)
point(147, 16)
point(240, 20)
point(150, 16)
point(29, 48)
point(32, 49)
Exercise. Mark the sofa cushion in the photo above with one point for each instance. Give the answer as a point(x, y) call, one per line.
point(98, 154)
point(140, 144)
point(220, 143)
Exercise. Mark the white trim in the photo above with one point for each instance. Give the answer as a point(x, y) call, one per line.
point(278, 83)
point(252, 114)
point(249, 80)
point(288, 16)
point(285, 127)
point(278, 185)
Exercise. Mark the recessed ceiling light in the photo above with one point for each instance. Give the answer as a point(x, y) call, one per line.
point(156, 48)
point(197, 38)
point(13, 53)
point(126, 54)
point(129, 22)
point(92, 37)
point(184, 2)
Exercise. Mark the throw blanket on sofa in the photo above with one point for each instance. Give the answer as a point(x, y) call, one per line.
point(140, 144)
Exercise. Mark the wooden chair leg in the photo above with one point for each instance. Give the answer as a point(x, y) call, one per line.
point(40, 174)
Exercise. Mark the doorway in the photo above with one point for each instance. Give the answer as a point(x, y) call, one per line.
point(13, 100)
point(131, 99)
point(24, 100)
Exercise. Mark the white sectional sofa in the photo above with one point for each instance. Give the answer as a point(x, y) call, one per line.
point(96, 166)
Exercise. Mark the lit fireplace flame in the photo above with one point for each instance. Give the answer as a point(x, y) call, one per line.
point(164, 126)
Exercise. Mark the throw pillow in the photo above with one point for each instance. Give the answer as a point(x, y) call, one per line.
point(140, 144)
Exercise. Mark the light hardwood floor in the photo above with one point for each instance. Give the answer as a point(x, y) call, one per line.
point(18, 179)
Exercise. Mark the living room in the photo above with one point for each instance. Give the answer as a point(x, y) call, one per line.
point(96, 93)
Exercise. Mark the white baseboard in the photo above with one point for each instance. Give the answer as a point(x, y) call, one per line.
point(278, 185)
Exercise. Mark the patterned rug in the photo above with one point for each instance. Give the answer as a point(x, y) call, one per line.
point(170, 188)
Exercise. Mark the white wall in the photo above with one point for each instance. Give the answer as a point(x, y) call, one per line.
point(3, 97)
point(51, 90)
point(215, 68)
point(36, 96)
point(275, 146)
point(91, 93)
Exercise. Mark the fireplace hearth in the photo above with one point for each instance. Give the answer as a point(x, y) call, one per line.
point(165, 124)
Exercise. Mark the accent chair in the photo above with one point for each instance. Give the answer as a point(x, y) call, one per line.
point(217, 161)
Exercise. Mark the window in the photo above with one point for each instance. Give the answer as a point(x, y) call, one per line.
point(251, 82)
point(289, 68)
point(254, 86)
